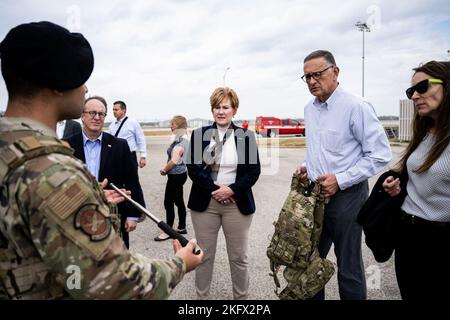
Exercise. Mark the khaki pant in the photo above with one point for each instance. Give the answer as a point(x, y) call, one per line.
point(235, 228)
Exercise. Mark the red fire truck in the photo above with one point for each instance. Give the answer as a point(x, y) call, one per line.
point(272, 127)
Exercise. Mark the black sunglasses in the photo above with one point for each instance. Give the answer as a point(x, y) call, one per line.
point(421, 87)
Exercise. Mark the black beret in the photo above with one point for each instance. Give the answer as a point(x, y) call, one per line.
point(48, 55)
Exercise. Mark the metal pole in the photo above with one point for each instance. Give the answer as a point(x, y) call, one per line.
point(161, 224)
point(363, 66)
point(364, 28)
point(225, 74)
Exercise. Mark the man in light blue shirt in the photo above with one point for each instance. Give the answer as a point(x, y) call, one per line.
point(345, 146)
point(129, 129)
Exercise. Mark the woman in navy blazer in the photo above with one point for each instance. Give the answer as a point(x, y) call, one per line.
point(223, 164)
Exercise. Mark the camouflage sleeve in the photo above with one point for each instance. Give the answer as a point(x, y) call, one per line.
point(70, 225)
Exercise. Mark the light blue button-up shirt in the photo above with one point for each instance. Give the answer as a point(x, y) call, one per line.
point(92, 152)
point(344, 137)
point(132, 132)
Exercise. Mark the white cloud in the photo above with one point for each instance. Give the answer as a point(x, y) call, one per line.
point(166, 57)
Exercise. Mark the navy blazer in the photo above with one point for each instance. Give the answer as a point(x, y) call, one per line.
point(248, 169)
point(72, 128)
point(380, 215)
point(117, 166)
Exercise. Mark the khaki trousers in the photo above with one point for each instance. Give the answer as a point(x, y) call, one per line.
point(235, 227)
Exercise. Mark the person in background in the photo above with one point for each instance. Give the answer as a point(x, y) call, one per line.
point(422, 252)
point(129, 129)
point(176, 172)
point(108, 157)
point(346, 146)
point(223, 164)
point(67, 128)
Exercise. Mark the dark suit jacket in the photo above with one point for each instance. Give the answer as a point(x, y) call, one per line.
point(248, 169)
point(116, 165)
point(379, 217)
point(72, 128)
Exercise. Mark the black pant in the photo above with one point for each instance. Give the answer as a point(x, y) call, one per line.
point(134, 158)
point(174, 195)
point(422, 258)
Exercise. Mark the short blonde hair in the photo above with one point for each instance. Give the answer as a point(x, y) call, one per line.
point(180, 122)
point(221, 93)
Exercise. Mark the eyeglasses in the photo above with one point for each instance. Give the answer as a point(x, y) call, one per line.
point(101, 115)
point(421, 87)
point(316, 75)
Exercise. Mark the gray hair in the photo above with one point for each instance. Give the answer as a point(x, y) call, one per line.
point(327, 55)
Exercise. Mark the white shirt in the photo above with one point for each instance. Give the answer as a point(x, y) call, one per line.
point(132, 132)
point(344, 137)
point(60, 126)
point(429, 192)
point(228, 160)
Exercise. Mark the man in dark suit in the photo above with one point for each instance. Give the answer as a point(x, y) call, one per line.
point(67, 128)
point(108, 157)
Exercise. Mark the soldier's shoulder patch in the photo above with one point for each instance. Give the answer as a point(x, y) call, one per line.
point(64, 202)
point(89, 226)
point(92, 222)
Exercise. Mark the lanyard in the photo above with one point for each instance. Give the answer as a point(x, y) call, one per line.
point(215, 153)
point(219, 144)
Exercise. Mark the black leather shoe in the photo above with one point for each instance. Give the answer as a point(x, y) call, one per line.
point(181, 231)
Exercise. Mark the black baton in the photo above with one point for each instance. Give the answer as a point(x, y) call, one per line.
point(161, 224)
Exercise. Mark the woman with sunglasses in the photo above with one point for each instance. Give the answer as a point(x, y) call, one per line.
point(422, 252)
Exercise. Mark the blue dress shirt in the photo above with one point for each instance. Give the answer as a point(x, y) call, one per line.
point(344, 137)
point(92, 152)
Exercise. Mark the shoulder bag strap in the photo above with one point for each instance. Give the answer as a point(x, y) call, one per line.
point(120, 127)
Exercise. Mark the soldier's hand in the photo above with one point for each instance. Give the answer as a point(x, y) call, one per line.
point(113, 196)
point(302, 174)
point(329, 184)
point(104, 183)
point(191, 260)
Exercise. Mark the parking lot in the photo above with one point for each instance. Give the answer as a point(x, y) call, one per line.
point(270, 192)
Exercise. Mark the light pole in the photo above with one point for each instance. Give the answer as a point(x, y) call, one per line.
point(225, 74)
point(364, 28)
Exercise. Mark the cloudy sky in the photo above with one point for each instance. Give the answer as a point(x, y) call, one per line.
point(165, 57)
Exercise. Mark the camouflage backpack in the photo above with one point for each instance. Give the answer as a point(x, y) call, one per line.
point(294, 243)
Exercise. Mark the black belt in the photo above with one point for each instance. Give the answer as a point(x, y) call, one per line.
point(410, 219)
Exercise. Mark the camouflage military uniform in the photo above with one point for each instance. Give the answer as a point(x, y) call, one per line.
point(294, 244)
point(56, 235)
